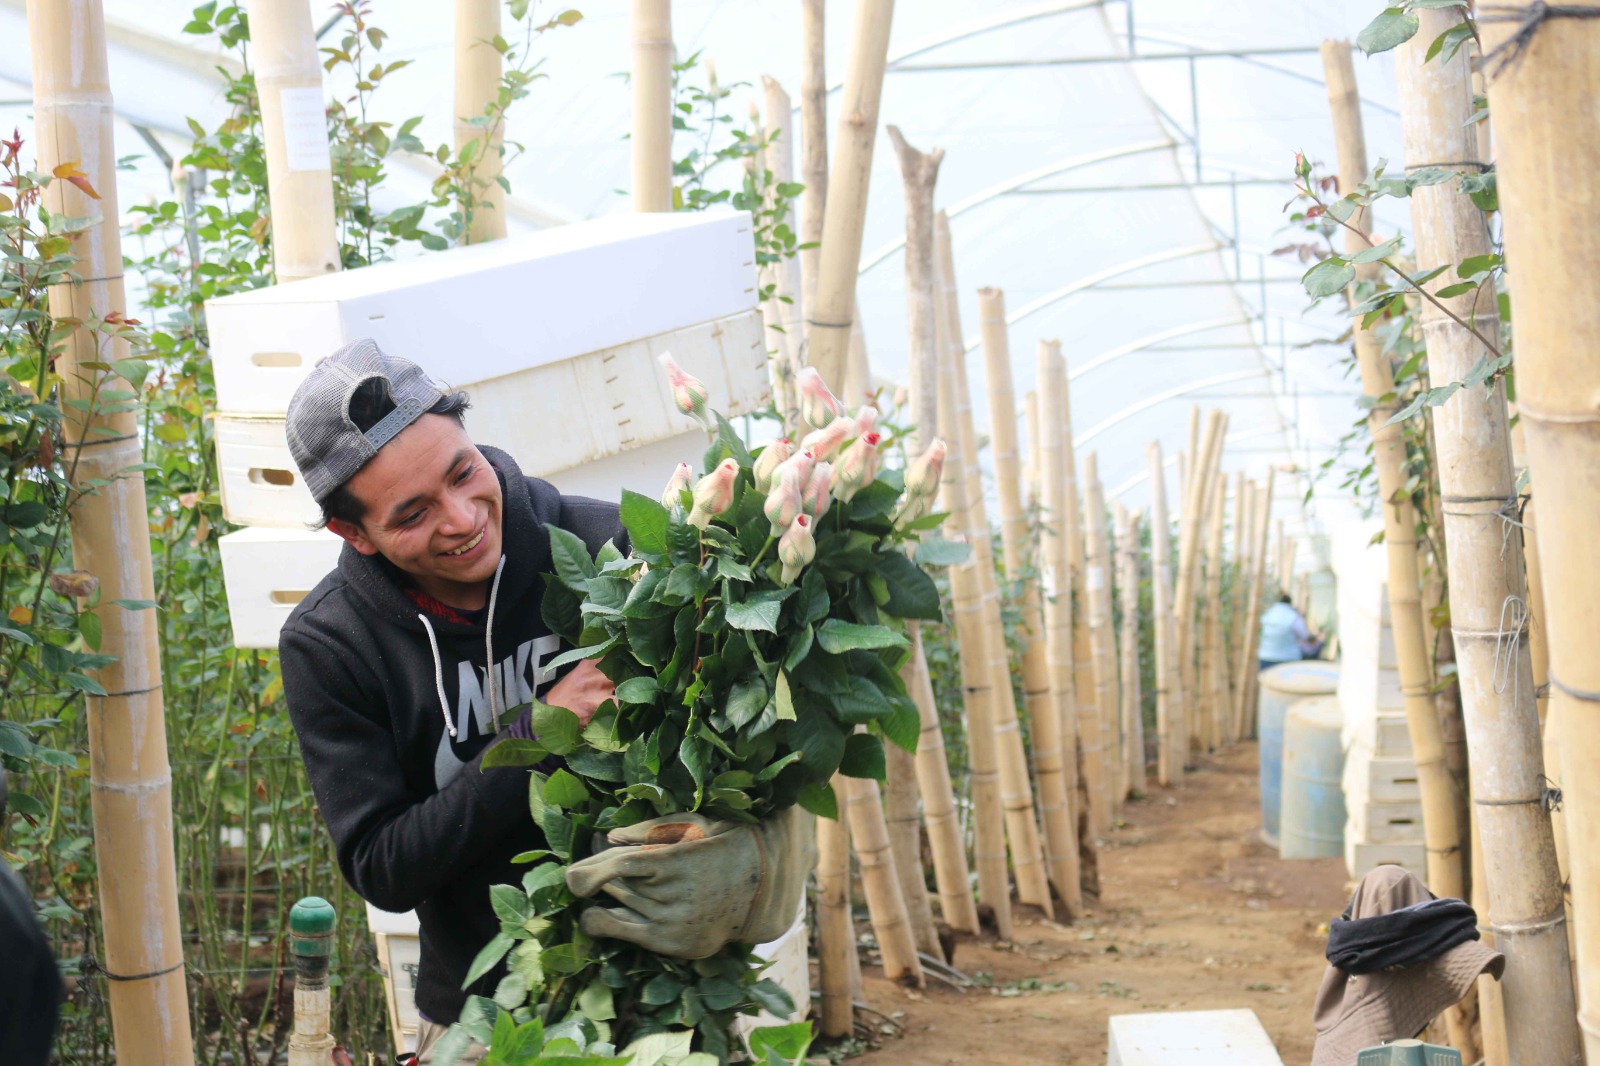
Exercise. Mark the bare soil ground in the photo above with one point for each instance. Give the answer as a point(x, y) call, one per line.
point(1195, 914)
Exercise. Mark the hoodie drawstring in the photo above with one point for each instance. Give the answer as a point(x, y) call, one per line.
point(488, 656)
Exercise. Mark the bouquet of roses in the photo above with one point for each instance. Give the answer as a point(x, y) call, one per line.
point(754, 635)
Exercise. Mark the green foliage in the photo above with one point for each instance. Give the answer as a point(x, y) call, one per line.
point(1396, 25)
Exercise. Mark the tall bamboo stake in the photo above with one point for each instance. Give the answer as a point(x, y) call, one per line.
point(950, 871)
point(830, 316)
point(1102, 641)
point(988, 815)
point(1244, 493)
point(814, 149)
point(1442, 830)
point(1055, 736)
point(780, 370)
point(879, 882)
point(1016, 790)
point(1043, 717)
point(1088, 742)
point(1491, 1008)
point(477, 71)
point(1191, 530)
point(294, 132)
point(919, 172)
point(1249, 649)
point(786, 274)
point(1542, 92)
point(651, 140)
point(1485, 570)
point(1128, 592)
point(1169, 702)
point(130, 780)
point(1030, 459)
point(836, 935)
point(1213, 668)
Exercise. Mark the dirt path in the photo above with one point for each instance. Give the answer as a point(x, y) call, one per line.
point(1198, 914)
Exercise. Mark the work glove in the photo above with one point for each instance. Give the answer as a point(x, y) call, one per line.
point(688, 885)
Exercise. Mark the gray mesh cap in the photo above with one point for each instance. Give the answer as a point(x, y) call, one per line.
point(328, 447)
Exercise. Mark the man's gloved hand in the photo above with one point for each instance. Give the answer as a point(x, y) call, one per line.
point(689, 885)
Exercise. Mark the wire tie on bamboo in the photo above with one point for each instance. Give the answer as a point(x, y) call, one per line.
point(829, 325)
point(133, 692)
point(1575, 693)
point(1506, 663)
point(1530, 17)
point(102, 441)
point(1483, 168)
point(91, 967)
point(1552, 795)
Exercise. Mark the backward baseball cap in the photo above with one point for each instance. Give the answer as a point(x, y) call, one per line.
point(327, 446)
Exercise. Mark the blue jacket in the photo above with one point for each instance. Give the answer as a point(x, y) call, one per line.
point(1282, 630)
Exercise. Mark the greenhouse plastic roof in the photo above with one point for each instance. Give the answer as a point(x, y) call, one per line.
point(1126, 206)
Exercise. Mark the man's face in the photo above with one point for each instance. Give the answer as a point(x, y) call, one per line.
point(432, 509)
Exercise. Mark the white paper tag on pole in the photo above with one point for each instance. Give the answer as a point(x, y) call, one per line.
point(1047, 581)
point(305, 129)
point(1096, 578)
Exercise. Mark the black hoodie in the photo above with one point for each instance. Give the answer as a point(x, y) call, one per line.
point(416, 822)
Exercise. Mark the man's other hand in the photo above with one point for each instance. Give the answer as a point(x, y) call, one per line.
point(582, 691)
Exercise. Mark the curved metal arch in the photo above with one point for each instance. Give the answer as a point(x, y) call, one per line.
point(1152, 340)
point(994, 192)
point(1091, 280)
point(1161, 398)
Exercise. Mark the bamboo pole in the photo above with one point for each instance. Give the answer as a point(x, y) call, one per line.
point(294, 133)
point(1213, 667)
point(881, 885)
point(1244, 492)
point(1249, 649)
point(950, 870)
point(130, 779)
point(780, 370)
point(1132, 705)
point(830, 316)
point(1055, 736)
point(477, 71)
point(836, 936)
point(1016, 790)
point(1542, 101)
point(1442, 830)
point(1030, 459)
point(1189, 453)
point(1169, 701)
point(814, 151)
point(1491, 1008)
point(1484, 563)
point(1045, 722)
point(651, 140)
point(919, 172)
point(1102, 641)
point(786, 274)
point(1090, 730)
point(988, 816)
point(1190, 531)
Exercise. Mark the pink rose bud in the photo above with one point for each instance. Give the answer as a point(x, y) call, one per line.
point(818, 406)
point(713, 494)
point(825, 443)
point(688, 392)
point(817, 490)
point(802, 462)
point(866, 418)
point(768, 461)
point(857, 467)
point(671, 496)
point(796, 548)
point(902, 396)
point(785, 502)
point(922, 476)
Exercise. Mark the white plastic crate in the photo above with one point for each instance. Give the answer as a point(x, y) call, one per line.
point(1386, 823)
point(1189, 1038)
point(268, 571)
point(598, 408)
point(1360, 857)
point(487, 310)
point(398, 940)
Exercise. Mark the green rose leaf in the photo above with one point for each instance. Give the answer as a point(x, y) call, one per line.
point(638, 690)
point(646, 522)
point(1394, 27)
point(488, 958)
point(556, 728)
point(936, 551)
point(819, 799)
point(912, 593)
point(571, 558)
point(836, 636)
point(565, 791)
point(759, 610)
point(514, 752)
point(1328, 277)
point(863, 757)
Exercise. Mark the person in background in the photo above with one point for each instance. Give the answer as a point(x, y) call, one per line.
point(1284, 636)
point(30, 984)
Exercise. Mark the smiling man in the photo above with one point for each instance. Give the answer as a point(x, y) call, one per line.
point(400, 666)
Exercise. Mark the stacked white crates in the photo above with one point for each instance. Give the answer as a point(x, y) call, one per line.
point(555, 335)
point(1380, 775)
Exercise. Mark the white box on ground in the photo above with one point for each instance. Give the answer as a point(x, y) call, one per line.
point(1387, 823)
point(601, 408)
point(1361, 857)
point(266, 572)
point(397, 938)
point(1190, 1038)
point(487, 310)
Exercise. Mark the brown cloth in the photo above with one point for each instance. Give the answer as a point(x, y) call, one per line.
point(1360, 1011)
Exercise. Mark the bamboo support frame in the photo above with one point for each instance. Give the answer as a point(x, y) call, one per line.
point(651, 81)
point(1190, 532)
point(1249, 658)
point(1213, 662)
point(836, 935)
point(881, 884)
point(950, 871)
point(1055, 739)
point(1545, 131)
point(1089, 729)
point(1472, 450)
point(1055, 805)
point(1102, 640)
point(1244, 492)
point(477, 77)
point(1132, 705)
point(830, 316)
point(813, 151)
point(1442, 831)
point(288, 71)
point(130, 780)
point(1169, 700)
